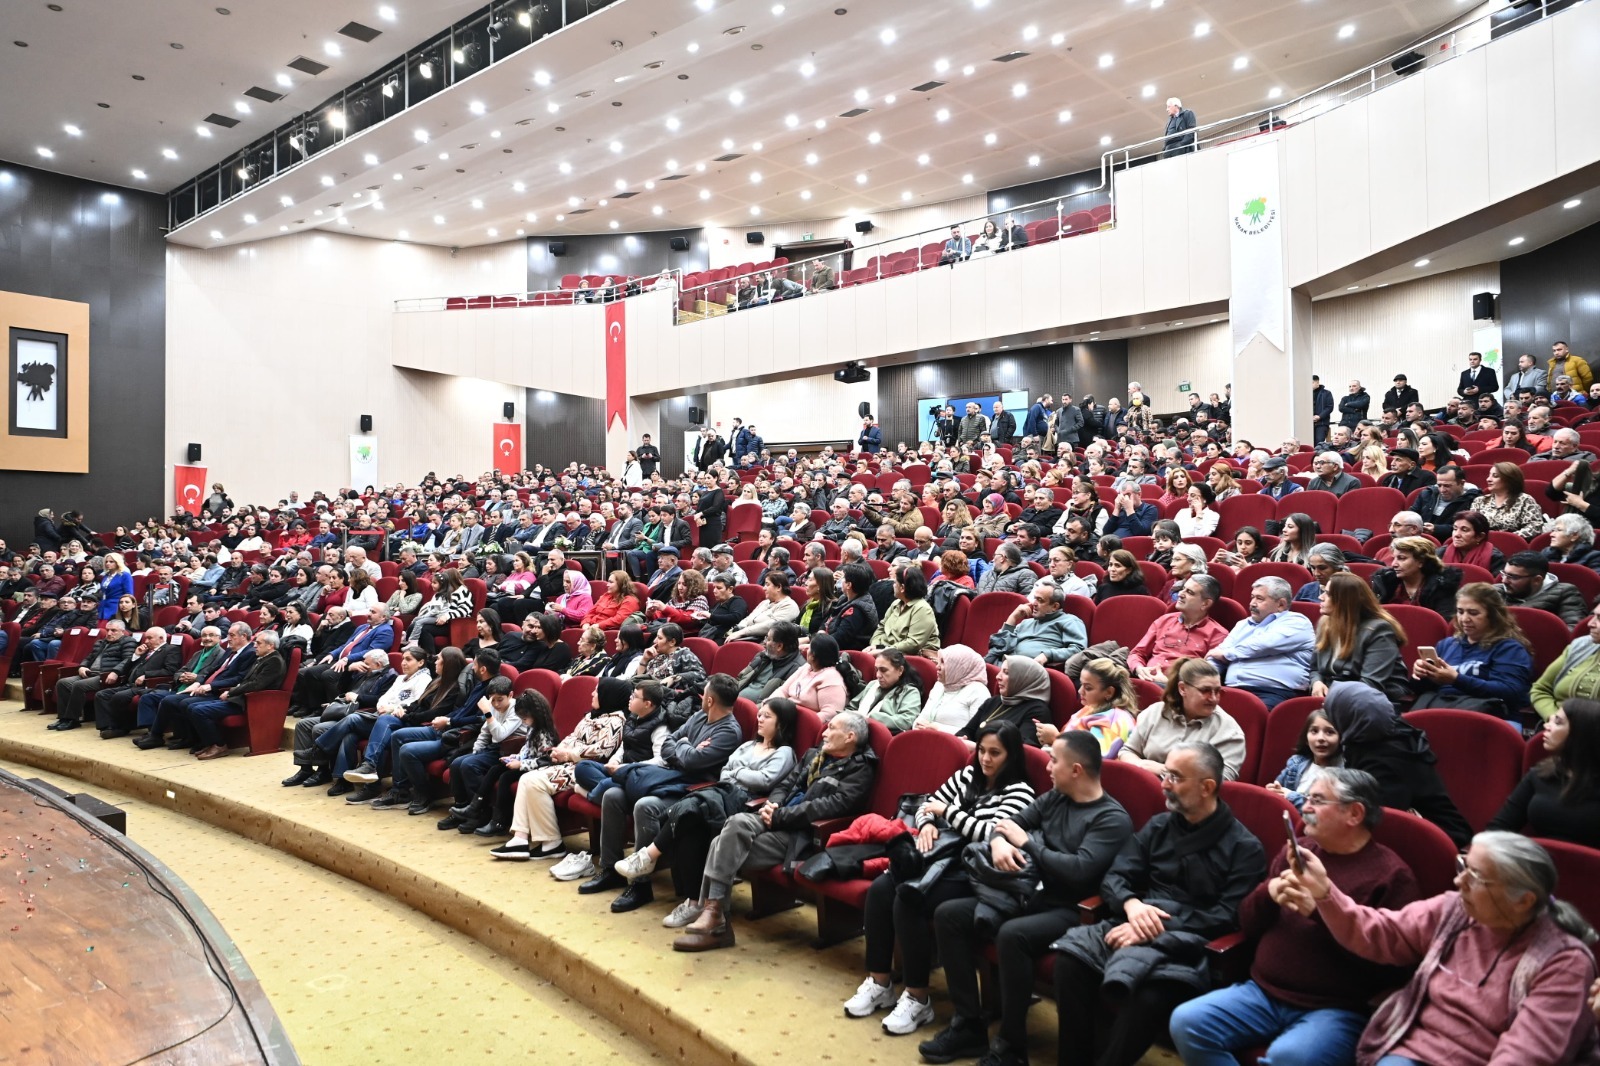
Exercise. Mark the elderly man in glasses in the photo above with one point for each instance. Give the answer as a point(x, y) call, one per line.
point(1307, 998)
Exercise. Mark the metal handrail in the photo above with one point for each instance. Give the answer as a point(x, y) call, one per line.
point(662, 280)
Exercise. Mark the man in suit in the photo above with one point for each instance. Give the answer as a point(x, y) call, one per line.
point(200, 664)
point(661, 583)
point(1321, 410)
point(649, 457)
point(113, 704)
point(1003, 426)
point(709, 450)
point(105, 664)
point(623, 535)
point(205, 716)
point(1477, 378)
point(870, 440)
point(956, 248)
point(1401, 396)
point(1528, 375)
point(318, 682)
point(1180, 129)
point(167, 712)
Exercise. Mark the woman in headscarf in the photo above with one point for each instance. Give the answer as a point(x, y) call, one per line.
point(1394, 751)
point(962, 688)
point(1024, 701)
point(994, 519)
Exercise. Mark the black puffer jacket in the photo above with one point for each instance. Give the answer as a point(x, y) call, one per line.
point(1438, 592)
point(820, 787)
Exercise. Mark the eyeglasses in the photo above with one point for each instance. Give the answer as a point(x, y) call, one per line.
point(1311, 800)
point(1168, 777)
point(1471, 876)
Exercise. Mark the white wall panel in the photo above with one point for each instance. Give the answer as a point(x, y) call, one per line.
point(1122, 249)
point(1078, 287)
point(1344, 204)
point(1576, 73)
point(933, 306)
point(1201, 355)
point(1209, 215)
point(1520, 119)
point(815, 313)
point(900, 311)
point(1397, 162)
point(1165, 215)
point(1457, 136)
point(785, 335)
point(1299, 177)
point(800, 409)
point(1002, 290)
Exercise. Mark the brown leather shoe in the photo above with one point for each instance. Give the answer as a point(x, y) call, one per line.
point(216, 751)
point(708, 932)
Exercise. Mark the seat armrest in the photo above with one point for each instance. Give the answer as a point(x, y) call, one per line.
point(1092, 910)
point(823, 830)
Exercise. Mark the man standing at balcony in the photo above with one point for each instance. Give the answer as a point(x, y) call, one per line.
point(1180, 128)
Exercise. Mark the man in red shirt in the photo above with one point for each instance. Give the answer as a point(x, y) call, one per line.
point(1307, 997)
point(1184, 633)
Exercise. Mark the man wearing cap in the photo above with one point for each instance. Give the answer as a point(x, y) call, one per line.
point(1401, 396)
point(665, 578)
point(1405, 472)
point(1275, 480)
point(722, 565)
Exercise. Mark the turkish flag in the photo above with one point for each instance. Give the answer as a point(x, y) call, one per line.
point(616, 364)
point(507, 447)
point(188, 488)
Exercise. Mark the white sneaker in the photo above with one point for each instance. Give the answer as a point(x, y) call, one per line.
point(683, 914)
point(908, 1015)
point(574, 867)
point(637, 865)
point(869, 999)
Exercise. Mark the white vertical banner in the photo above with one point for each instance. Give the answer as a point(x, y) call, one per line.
point(363, 460)
point(1255, 241)
point(1486, 340)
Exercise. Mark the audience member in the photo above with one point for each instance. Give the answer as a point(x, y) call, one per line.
point(1270, 653)
point(1187, 712)
point(1357, 640)
point(1558, 799)
point(1485, 665)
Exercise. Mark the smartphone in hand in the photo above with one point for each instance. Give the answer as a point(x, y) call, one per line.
point(1296, 862)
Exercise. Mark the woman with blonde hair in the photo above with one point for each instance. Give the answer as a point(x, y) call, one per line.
point(1110, 706)
point(1221, 481)
point(115, 582)
point(1357, 640)
point(1417, 577)
point(1373, 461)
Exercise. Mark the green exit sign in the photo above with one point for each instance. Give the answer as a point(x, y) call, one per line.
point(1184, 386)
point(805, 236)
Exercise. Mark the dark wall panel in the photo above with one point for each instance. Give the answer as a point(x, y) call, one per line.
point(674, 424)
point(69, 239)
point(1051, 368)
point(613, 253)
point(1003, 200)
point(562, 429)
point(1552, 294)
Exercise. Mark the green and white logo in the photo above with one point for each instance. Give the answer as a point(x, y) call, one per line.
point(1255, 217)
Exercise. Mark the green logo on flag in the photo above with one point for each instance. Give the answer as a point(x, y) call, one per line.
point(1255, 217)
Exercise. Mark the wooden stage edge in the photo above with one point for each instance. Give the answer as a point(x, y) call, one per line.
point(637, 1010)
point(109, 957)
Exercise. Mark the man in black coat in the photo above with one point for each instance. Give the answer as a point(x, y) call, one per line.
point(153, 658)
point(1180, 129)
point(710, 450)
point(1353, 405)
point(1321, 410)
point(1003, 426)
point(649, 457)
point(105, 664)
point(1401, 396)
point(1071, 423)
point(1477, 378)
point(1406, 473)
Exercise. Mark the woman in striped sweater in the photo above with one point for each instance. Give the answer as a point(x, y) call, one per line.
point(992, 787)
point(451, 599)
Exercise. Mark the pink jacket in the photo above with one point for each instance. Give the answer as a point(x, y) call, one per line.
point(821, 690)
point(574, 605)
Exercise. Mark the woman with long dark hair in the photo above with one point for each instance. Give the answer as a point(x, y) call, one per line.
point(1560, 797)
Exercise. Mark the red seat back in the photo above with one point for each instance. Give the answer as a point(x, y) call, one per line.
point(1134, 787)
point(987, 612)
point(1247, 709)
point(919, 760)
point(1261, 812)
point(1426, 848)
point(1369, 508)
point(573, 702)
point(1479, 758)
point(546, 683)
point(734, 656)
point(1577, 875)
point(1124, 619)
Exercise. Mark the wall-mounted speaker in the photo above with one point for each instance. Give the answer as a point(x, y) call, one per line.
point(679, 244)
point(1409, 63)
point(366, 423)
point(696, 416)
point(509, 410)
point(558, 247)
point(194, 453)
point(864, 226)
point(864, 410)
point(1483, 305)
point(754, 238)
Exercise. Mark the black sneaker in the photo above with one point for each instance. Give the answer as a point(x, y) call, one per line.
point(319, 779)
point(364, 794)
point(397, 797)
point(958, 1040)
point(450, 821)
point(301, 775)
point(339, 788)
point(1001, 1054)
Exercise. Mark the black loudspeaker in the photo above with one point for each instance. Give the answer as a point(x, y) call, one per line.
point(366, 423)
point(863, 226)
point(509, 409)
point(558, 247)
point(679, 244)
point(1409, 63)
point(1482, 305)
point(865, 410)
point(696, 416)
point(754, 238)
point(194, 453)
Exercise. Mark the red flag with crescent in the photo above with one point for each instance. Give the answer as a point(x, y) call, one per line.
point(507, 447)
point(188, 488)
point(616, 365)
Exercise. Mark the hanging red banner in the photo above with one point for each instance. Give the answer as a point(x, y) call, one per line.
point(507, 447)
point(188, 488)
point(616, 365)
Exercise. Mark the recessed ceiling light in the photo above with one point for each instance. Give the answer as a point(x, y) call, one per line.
point(703, 5)
point(861, 179)
point(616, 146)
point(862, 96)
point(943, 114)
point(1058, 39)
point(327, 181)
point(565, 168)
point(386, 13)
point(1033, 160)
point(1019, 90)
point(491, 231)
point(700, 168)
point(1106, 60)
point(332, 48)
point(168, 153)
point(941, 65)
point(46, 153)
point(656, 210)
point(1346, 32)
point(791, 121)
point(727, 144)
point(421, 136)
point(1241, 62)
point(541, 77)
point(552, 107)
point(923, 159)
point(1274, 92)
point(438, 220)
point(1063, 116)
point(874, 137)
point(805, 194)
point(561, 218)
point(966, 179)
point(807, 69)
point(968, 70)
point(811, 159)
point(613, 223)
point(1516, 241)
point(755, 211)
point(216, 235)
point(203, 132)
point(72, 131)
point(1351, 288)
point(736, 98)
point(672, 164)
point(477, 205)
point(286, 201)
point(1105, 141)
point(530, 217)
point(249, 220)
point(573, 201)
point(820, 124)
point(1570, 204)
point(705, 194)
point(1148, 91)
point(518, 186)
point(476, 107)
point(649, 185)
point(777, 9)
point(673, 123)
point(318, 211)
point(241, 107)
point(886, 35)
point(755, 177)
point(1201, 29)
point(1422, 262)
point(444, 156)
point(889, 100)
point(990, 138)
point(283, 229)
point(397, 177)
point(755, 146)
